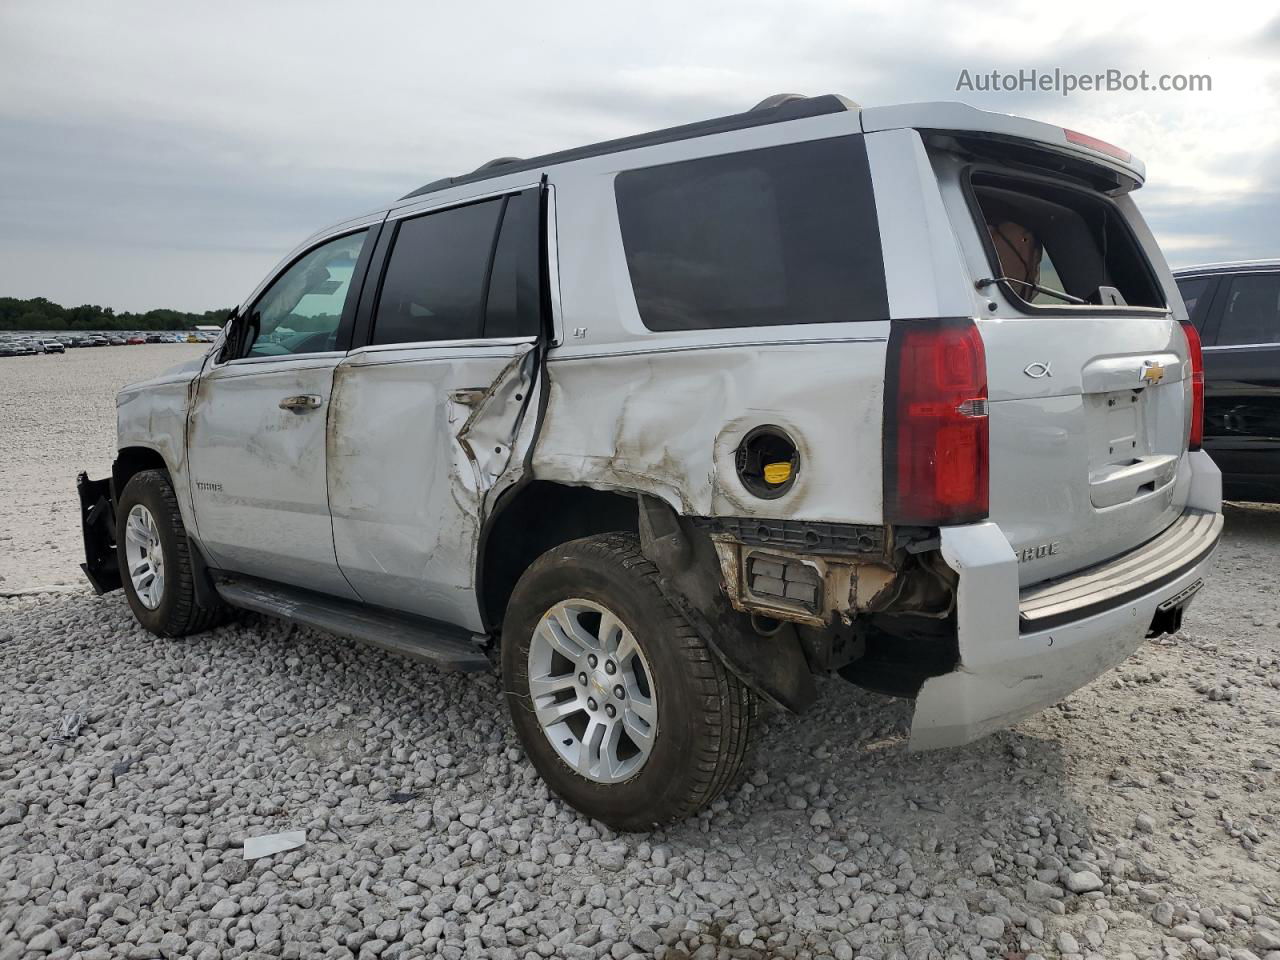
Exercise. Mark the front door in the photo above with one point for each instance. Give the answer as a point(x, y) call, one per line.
point(257, 426)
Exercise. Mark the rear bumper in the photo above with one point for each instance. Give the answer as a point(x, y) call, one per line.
point(1021, 651)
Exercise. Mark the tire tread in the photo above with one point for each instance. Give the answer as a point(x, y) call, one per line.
point(729, 706)
point(187, 616)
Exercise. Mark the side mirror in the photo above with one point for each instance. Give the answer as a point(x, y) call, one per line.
point(229, 338)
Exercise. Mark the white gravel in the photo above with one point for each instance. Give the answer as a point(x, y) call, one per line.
point(1139, 818)
point(58, 417)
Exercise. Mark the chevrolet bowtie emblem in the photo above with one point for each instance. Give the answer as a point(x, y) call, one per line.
point(1152, 372)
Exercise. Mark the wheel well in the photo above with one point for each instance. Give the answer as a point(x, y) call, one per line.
point(133, 460)
point(530, 521)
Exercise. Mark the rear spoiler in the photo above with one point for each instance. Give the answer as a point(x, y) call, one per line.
point(1123, 171)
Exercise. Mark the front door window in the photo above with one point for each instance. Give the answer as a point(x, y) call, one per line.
point(302, 310)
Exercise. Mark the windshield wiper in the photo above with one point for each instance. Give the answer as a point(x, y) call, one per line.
point(1034, 286)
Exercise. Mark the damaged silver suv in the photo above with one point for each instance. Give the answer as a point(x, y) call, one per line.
point(667, 426)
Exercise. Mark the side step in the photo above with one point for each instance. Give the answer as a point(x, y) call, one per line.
point(449, 648)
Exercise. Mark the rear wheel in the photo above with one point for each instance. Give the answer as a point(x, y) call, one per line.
point(155, 559)
point(624, 710)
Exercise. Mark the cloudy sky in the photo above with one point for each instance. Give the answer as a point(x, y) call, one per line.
point(166, 154)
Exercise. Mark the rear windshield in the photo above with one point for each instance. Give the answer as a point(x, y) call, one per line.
point(779, 235)
point(1059, 246)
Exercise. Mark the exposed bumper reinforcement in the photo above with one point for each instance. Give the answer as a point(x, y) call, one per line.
point(98, 526)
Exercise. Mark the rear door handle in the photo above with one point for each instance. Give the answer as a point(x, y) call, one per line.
point(303, 401)
point(468, 396)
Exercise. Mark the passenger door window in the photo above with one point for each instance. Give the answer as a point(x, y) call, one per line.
point(434, 285)
point(514, 305)
point(303, 309)
point(1251, 312)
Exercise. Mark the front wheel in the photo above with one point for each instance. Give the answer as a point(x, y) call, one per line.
point(620, 704)
point(155, 559)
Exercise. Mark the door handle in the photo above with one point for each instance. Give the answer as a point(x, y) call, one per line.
point(304, 401)
point(468, 396)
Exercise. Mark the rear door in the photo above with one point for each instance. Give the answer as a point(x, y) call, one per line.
point(1242, 384)
point(432, 415)
point(1088, 370)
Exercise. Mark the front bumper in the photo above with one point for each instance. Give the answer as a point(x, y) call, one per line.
point(98, 527)
point(1021, 651)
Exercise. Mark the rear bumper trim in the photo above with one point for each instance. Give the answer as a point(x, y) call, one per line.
point(1183, 545)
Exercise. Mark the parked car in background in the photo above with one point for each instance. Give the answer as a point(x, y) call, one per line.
point(155, 338)
point(134, 340)
point(1236, 308)
point(673, 423)
point(53, 346)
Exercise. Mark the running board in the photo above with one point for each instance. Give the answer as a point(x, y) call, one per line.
point(447, 647)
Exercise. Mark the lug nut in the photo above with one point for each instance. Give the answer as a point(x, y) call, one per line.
point(591, 703)
point(608, 708)
point(592, 661)
point(610, 667)
point(619, 692)
point(582, 679)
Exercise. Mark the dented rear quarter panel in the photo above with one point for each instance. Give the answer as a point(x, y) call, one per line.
point(669, 422)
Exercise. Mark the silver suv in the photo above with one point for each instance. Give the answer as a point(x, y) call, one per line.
point(666, 426)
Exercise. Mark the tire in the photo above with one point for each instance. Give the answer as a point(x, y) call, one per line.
point(177, 613)
point(703, 712)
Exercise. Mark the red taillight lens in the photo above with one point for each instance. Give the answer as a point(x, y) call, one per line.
point(1195, 431)
point(936, 465)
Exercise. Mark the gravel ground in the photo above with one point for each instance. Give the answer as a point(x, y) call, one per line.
point(1138, 818)
point(58, 417)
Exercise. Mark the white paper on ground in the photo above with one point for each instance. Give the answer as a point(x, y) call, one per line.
point(264, 846)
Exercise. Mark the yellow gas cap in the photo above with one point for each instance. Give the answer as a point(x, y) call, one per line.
point(777, 473)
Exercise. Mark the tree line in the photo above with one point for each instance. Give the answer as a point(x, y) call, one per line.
point(41, 314)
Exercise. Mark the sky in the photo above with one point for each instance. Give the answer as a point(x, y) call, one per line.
point(161, 154)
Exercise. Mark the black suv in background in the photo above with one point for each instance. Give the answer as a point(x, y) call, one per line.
point(1236, 308)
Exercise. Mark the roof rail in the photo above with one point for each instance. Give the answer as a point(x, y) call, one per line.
point(776, 109)
point(777, 100)
point(498, 162)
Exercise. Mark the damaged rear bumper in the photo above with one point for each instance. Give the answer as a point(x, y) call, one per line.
point(98, 526)
point(1021, 651)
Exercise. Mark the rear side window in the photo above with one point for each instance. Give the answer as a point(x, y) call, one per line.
point(434, 284)
point(1052, 245)
point(780, 235)
point(1251, 312)
point(513, 308)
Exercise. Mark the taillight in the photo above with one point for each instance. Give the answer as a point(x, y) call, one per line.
point(1093, 143)
point(1195, 427)
point(936, 464)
